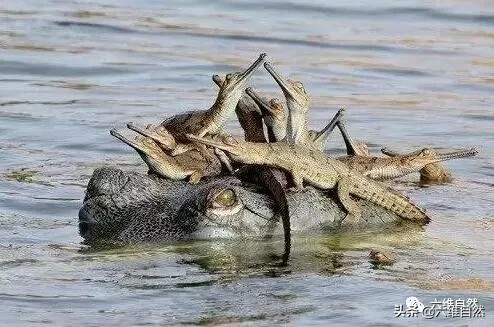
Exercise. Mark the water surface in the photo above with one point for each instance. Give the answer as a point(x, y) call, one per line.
point(410, 75)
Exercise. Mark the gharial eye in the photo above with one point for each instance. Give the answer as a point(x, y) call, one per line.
point(229, 76)
point(427, 152)
point(226, 198)
point(300, 86)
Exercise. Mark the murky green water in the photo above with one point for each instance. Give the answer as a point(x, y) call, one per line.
point(409, 74)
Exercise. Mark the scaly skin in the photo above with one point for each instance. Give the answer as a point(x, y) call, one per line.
point(298, 102)
point(276, 118)
point(248, 114)
point(129, 207)
point(273, 113)
point(431, 173)
point(401, 165)
point(313, 167)
point(190, 164)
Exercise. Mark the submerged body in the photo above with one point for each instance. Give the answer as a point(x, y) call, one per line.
point(130, 207)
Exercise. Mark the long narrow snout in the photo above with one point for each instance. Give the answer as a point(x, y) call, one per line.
point(252, 68)
point(286, 88)
point(139, 130)
point(458, 154)
point(126, 140)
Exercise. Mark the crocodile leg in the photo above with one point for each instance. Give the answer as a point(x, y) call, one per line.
point(195, 177)
point(298, 180)
point(224, 159)
point(343, 189)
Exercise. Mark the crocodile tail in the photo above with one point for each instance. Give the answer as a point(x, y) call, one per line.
point(391, 200)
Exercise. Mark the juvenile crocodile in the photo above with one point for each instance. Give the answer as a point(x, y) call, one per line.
point(248, 114)
point(312, 166)
point(401, 165)
point(191, 164)
point(211, 121)
point(298, 103)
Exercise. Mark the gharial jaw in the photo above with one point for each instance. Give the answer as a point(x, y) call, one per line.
point(249, 116)
point(230, 93)
point(294, 90)
point(401, 165)
point(154, 157)
point(158, 134)
point(426, 156)
point(274, 115)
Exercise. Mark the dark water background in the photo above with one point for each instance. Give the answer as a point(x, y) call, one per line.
point(411, 74)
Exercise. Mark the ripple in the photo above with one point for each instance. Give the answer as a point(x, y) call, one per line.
point(395, 12)
point(31, 68)
point(256, 38)
point(91, 27)
point(16, 263)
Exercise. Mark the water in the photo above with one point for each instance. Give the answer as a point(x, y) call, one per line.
point(410, 75)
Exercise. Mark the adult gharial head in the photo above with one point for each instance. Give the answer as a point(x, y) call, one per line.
point(129, 207)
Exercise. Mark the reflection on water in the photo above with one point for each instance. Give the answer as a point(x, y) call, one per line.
point(409, 75)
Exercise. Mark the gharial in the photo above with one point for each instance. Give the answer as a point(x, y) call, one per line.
point(128, 207)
